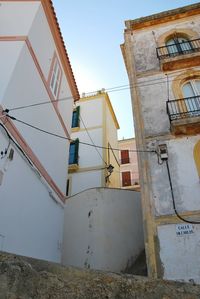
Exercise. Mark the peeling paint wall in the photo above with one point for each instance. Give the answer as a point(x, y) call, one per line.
point(103, 229)
point(169, 255)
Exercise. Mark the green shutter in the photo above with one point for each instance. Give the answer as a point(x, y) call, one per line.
point(76, 151)
point(78, 114)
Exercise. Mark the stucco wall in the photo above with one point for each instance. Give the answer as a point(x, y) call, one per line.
point(179, 257)
point(145, 42)
point(111, 138)
point(97, 118)
point(169, 255)
point(21, 16)
point(184, 177)
point(23, 84)
point(31, 222)
point(103, 229)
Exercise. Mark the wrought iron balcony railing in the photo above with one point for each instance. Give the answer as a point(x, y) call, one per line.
point(183, 108)
point(176, 49)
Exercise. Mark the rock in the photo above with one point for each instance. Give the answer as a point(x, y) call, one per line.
point(26, 278)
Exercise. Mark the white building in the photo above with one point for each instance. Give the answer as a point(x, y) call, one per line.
point(35, 68)
point(94, 122)
point(162, 56)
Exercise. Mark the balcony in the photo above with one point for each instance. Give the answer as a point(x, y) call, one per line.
point(179, 55)
point(184, 115)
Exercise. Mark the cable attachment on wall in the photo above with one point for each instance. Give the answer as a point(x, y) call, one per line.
point(163, 153)
point(110, 169)
point(3, 153)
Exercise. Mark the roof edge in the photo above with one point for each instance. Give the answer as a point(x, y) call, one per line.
point(60, 45)
point(164, 16)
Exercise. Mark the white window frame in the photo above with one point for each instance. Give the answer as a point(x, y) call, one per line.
point(55, 78)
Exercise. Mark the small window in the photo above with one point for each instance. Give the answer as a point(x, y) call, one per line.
point(73, 152)
point(75, 118)
point(126, 178)
point(55, 78)
point(125, 157)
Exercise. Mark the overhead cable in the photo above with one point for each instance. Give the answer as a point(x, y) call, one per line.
point(69, 139)
point(108, 90)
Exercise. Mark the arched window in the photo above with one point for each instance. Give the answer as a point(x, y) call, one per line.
point(191, 93)
point(197, 156)
point(191, 88)
point(178, 45)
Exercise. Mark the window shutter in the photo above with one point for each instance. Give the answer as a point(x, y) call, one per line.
point(126, 178)
point(124, 156)
point(78, 114)
point(76, 151)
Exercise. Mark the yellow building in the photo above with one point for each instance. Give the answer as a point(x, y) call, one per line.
point(162, 57)
point(94, 123)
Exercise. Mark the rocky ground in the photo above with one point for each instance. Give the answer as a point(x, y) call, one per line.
point(25, 278)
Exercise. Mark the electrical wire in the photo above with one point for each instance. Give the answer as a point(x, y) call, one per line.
point(173, 199)
point(81, 119)
point(69, 139)
point(108, 90)
point(19, 148)
point(110, 147)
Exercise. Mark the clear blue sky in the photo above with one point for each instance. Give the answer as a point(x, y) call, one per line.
point(93, 31)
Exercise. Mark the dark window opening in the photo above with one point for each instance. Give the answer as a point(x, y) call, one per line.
point(75, 118)
point(73, 152)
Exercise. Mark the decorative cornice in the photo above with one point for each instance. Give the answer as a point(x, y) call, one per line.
point(163, 17)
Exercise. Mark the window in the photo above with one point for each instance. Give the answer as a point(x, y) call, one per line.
point(191, 93)
point(73, 152)
point(191, 88)
point(55, 79)
point(126, 178)
point(197, 156)
point(178, 45)
point(125, 157)
point(75, 118)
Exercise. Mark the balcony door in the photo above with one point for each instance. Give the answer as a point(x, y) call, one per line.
point(191, 93)
point(178, 45)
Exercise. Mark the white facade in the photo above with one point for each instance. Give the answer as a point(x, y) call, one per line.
point(103, 229)
point(170, 255)
point(33, 183)
point(97, 126)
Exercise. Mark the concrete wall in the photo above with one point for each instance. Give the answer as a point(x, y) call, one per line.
point(103, 229)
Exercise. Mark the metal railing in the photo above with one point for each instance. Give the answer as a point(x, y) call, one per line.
point(177, 49)
point(130, 183)
point(183, 108)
